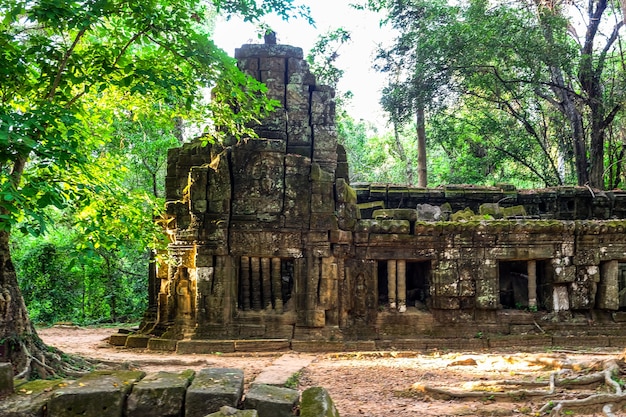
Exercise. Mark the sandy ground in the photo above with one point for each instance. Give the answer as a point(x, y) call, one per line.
point(364, 384)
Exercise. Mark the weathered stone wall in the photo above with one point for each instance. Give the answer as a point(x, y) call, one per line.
point(269, 240)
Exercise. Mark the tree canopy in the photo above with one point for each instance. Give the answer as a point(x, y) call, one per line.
point(73, 74)
point(544, 80)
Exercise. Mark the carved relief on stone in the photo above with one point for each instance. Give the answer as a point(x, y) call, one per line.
point(260, 187)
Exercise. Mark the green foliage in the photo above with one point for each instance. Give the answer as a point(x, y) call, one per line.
point(60, 282)
point(536, 100)
point(91, 96)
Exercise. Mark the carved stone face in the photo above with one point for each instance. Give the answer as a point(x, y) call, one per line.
point(267, 173)
point(261, 186)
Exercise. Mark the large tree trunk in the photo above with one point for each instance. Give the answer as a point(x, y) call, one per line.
point(422, 173)
point(29, 356)
point(402, 153)
point(16, 329)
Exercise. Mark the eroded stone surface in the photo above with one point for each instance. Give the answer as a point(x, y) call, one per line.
point(271, 401)
point(316, 402)
point(161, 394)
point(100, 394)
point(212, 389)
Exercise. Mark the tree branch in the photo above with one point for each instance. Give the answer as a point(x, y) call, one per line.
point(63, 63)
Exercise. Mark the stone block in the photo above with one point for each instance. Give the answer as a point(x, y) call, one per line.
point(31, 400)
point(514, 211)
point(118, 339)
point(345, 193)
point(6, 379)
point(271, 401)
point(312, 318)
point(137, 341)
point(323, 221)
point(395, 214)
point(164, 345)
point(340, 236)
point(227, 411)
point(205, 346)
point(563, 274)
point(316, 402)
point(383, 226)
point(161, 394)
point(213, 388)
point(99, 394)
point(262, 345)
point(428, 213)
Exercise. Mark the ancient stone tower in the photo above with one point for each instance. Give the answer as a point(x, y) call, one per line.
point(269, 241)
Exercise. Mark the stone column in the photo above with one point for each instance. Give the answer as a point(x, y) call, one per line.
point(401, 285)
point(277, 285)
point(266, 283)
point(531, 267)
point(608, 291)
point(255, 269)
point(391, 282)
point(244, 277)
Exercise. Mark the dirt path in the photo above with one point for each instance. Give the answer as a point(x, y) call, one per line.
point(361, 384)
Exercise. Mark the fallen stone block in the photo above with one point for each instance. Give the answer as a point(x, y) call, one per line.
point(233, 412)
point(30, 399)
point(6, 379)
point(271, 401)
point(137, 341)
point(99, 394)
point(316, 402)
point(212, 389)
point(118, 339)
point(161, 394)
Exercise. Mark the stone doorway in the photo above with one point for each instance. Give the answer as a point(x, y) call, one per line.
point(513, 279)
point(418, 284)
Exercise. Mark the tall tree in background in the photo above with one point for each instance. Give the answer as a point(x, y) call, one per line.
point(57, 58)
point(418, 66)
point(518, 59)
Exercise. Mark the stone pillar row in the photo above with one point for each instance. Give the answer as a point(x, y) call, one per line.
point(260, 286)
point(396, 284)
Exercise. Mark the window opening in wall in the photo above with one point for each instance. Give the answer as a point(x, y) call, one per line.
point(264, 283)
point(544, 285)
point(383, 280)
point(417, 284)
point(286, 279)
point(513, 279)
point(621, 285)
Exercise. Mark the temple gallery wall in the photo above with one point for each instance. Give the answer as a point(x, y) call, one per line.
point(269, 240)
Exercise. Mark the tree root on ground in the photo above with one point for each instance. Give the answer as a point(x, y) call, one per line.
point(44, 362)
point(567, 375)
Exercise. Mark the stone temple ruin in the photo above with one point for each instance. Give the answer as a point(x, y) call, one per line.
point(271, 241)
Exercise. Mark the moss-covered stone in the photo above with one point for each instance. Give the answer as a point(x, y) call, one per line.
point(227, 411)
point(316, 402)
point(464, 215)
point(99, 394)
point(6, 379)
point(271, 401)
point(213, 388)
point(30, 398)
point(161, 394)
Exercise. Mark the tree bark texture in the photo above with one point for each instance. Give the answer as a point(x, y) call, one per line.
point(15, 325)
point(422, 173)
